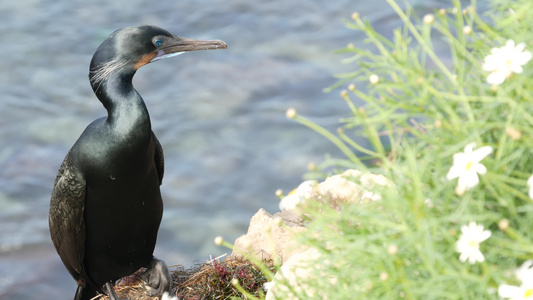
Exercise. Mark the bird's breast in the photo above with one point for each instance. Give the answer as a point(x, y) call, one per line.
point(104, 146)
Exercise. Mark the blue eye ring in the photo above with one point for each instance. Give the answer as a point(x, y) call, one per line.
point(158, 42)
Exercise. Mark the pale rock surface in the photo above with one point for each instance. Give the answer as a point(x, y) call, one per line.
point(270, 237)
point(352, 186)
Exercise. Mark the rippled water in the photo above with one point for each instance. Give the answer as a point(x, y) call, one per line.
point(220, 115)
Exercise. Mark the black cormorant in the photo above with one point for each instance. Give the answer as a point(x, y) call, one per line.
point(106, 205)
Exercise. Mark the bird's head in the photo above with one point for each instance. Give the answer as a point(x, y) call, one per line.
point(130, 48)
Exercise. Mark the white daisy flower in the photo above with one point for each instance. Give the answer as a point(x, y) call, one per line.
point(298, 195)
point(525, 290)
point(525, 272)
point(504, 61)
point(466, 166)
point(468, 244)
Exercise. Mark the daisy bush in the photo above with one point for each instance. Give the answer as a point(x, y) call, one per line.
point(444, 110)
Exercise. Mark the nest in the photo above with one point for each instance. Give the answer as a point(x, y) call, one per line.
point(209, 280)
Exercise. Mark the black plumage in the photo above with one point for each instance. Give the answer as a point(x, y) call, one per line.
point(106, 205)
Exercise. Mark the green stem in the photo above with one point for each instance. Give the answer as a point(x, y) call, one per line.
point(403, 279)
point(374, 36)
point(357, 146)
point(423, 43)
point(332, 138)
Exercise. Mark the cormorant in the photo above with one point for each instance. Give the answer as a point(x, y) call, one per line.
point(106, 205)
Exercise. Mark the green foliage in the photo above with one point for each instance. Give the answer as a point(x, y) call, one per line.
point(426, 107)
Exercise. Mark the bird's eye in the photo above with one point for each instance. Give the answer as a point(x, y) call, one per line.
point(158, 42)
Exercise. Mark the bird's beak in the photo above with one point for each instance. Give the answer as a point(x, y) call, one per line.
point(179, 45)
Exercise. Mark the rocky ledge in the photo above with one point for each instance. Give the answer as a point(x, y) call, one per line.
point(270, 239)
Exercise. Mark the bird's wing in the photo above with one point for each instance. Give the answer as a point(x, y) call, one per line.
point(159, 159)
point(66, 221)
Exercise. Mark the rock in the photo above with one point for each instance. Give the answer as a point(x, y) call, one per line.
point(352, 186)
point(270, 237)
point(291, 218)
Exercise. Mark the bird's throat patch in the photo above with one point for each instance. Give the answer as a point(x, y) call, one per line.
point(145, 59)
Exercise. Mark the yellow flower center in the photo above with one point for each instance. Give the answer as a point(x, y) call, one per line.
point(528, 293)
point(474, 244)
point(293, 192)
point(469, 165)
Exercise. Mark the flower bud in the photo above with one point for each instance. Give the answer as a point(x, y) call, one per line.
point(374, 79)
point(513, 133)
point(503, 224)
point(392, 249)
point(291, 113)
point(344, 93)
point(383, 276)
point(429, 19)
point(460, 190)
